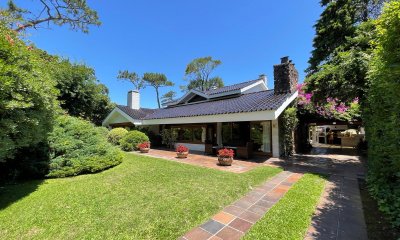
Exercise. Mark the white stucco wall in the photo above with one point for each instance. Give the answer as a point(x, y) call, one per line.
point(193, 146)
point(118, 118)
point(275, 138)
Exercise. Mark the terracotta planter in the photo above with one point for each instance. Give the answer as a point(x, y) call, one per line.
point(144, 150)
point(225, 161)
point(182, 154)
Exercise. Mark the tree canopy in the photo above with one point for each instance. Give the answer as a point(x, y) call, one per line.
point(131, 77)
point(337, 23)
point(168, 97)
point(198, 74)
point(81, 94)
point(27, 95)
point(157, 80)
point(75, 13)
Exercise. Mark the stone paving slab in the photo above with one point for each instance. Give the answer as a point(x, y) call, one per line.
point(238, 166)
point(236, 219)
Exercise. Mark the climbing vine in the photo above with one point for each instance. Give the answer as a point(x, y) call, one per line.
point(288, 122)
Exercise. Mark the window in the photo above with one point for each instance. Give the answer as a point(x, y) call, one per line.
point(232, 134)
point(189, 133)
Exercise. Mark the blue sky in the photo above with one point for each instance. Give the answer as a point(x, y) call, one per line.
point(249, 37)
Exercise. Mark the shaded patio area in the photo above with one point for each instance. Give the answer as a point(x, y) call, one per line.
point(208, 161)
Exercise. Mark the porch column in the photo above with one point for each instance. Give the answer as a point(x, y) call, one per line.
point(219, 134)
point(275, 138)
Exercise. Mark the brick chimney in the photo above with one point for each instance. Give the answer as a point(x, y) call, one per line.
point(285, 77)
point(134, 99)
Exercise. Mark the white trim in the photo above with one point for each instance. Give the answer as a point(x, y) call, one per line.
point(254, 85)
point(193, 91)
point(285, 104)
point(117, 110)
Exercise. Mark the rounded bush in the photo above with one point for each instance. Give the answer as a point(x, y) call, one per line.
point(115, 135)
point(131, 140)
point(78, 147)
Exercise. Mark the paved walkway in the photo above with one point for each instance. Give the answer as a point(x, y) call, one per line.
point(339, 214)
point(236, 219)
point(198, 159)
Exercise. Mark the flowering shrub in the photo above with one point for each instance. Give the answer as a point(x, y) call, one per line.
point(181, 149)
point(333, 108)
point(144, 145)
point(226, 153)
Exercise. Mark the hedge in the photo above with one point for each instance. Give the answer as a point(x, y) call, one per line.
point(382, 114)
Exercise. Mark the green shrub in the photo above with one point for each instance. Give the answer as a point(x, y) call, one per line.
point(130, 141)
point(115, 135)
point(382, 114)
point(27, 96)
point(287, 124)
point(78, 147)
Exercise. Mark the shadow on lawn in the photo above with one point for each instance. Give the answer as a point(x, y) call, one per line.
point(12, 193)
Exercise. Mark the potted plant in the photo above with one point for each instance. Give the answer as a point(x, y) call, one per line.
point(182, 151)
point(225, 157)
point(144, 147)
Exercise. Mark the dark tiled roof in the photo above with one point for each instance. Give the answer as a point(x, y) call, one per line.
point(252, 102)
point(136, 114)
point(231, 87)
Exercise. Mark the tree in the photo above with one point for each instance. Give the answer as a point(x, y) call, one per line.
point(198, 73)
point(75, 13)
point(133, 78)
point(344, 75)
point(168, 97)
point(338, 22)
point(81, 94)
point(157, 80)
point(27, 96)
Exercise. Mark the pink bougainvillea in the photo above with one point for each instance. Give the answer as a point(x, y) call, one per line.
point(331, 108)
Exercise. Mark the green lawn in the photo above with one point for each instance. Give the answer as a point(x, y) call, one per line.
point(291, 216)
point(142, 198)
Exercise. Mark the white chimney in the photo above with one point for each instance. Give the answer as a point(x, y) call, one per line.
point(134, 99)
point(264, 78)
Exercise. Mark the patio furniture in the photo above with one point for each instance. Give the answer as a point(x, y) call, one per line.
point(245, 152)
point(209, 149)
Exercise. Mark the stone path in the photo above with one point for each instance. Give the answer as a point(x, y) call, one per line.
point(339, 214)
point(236, 219)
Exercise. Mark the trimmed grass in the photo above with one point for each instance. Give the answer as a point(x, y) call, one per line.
point(142, 198)
point(291, 216)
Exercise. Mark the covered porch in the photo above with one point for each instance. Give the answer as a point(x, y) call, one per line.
point(248, 139)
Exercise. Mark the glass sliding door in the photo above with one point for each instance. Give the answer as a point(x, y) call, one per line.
point(266, 147)
point(260, 134)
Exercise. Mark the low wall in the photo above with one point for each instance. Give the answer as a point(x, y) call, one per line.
point(193, 146)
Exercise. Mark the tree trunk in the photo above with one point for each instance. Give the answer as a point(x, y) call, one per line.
point(158, 98)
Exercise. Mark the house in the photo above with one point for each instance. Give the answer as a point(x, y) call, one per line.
point(243, 116)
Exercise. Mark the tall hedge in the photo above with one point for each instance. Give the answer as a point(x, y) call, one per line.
point(78, 147)
point(382, 114)
point(27, 96)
